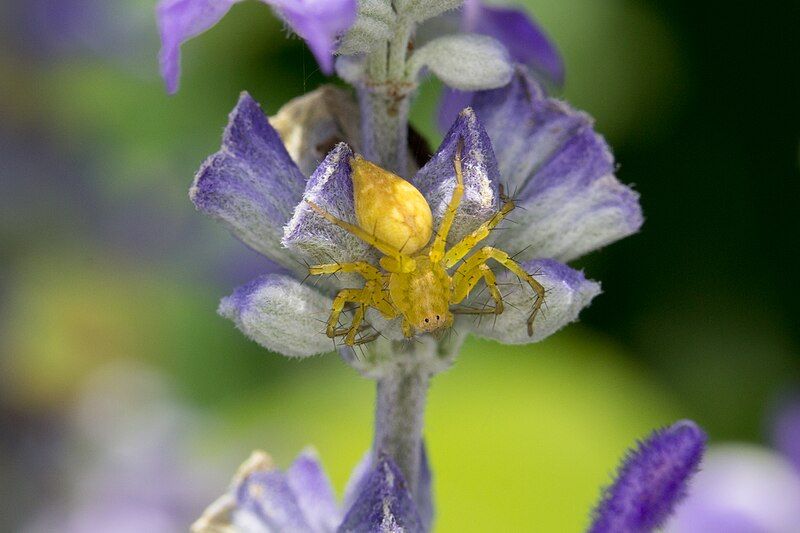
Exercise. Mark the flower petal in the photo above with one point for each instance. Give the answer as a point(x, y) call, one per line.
point(559, 169)
point(266, 502)
point(524, 39)
point(741, 488)
point(179, 21)
point(651, 481)
point(384, 503)
point(363, 470)
point(314, 492)
point(251, 185)
point(526, 42)
point(568, 291)
point(330, 187)
point(313, 124)
point(281, 315)
point(437, 179)
point(319, 22)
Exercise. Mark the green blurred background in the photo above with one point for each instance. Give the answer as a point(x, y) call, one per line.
point(103, 259)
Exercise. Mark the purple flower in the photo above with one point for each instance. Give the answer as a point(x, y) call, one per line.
point(651, 481)
point(741, 488)
point(262, 498)
point(319, 22)
point(526, 42)
point(745, 488)
point(560, 170)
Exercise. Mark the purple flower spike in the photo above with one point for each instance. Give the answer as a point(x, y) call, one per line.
point(384, 504)
point(651, 481)
point(319, 22)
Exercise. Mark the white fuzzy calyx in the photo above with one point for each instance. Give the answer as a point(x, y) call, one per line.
point(467, 62)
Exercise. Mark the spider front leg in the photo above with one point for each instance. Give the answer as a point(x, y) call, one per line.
point(465, 279)
point(370, 295)
point(474, 262)
point(465, 245)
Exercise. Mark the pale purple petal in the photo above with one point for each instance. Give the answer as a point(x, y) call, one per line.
point(652, 479)
point(179, 21)
point(358, 477)
point(786, 430)
point(330, 187)
point(437, 179)
point(314, 492)
point(741, 488)
point(384, 504)
point(424, 496)
point(567, 293)
point(281, 314)
point(265, 498)
point(319, 22)
point(524, 39)
point(559, 170)
point(251, 185)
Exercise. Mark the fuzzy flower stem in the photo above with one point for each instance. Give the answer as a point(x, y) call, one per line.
point(384, 124)
point(385, 99)
point(399, 414)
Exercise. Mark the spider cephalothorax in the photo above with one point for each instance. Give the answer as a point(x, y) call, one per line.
point(414, 281)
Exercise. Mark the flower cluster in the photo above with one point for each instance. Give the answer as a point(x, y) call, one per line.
point(287, 186)
point(651, 480)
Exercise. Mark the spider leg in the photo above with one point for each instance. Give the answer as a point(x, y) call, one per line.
point(371, 295)
point(469, 275)
point(437, 250)
point(358, 317)
point(402, 262)
point(486, 253)
point(465, 245)
point(367, 271)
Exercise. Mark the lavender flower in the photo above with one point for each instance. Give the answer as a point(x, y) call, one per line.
point(264, 499)
point(561, 169)
point(526, 42)
point(319, 22)
point(651, 481)
point(744, 488)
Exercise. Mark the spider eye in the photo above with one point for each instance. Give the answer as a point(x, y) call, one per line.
point(437, 317)
point(426, 320)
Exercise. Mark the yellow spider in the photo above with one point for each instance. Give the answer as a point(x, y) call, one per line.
point(415, 283)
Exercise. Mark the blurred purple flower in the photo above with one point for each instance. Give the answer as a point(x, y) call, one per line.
point(742, 488)
point(746, 488)
point(651, 481)
point(319, 22)
point(786, 430)
point(524, 39)
point(130, 468)
point(262, 498)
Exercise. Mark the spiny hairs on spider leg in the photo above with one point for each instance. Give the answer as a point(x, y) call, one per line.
point(413, 282)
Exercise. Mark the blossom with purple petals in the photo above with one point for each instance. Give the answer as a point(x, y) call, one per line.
point(525, 40)
point(560, 169)
point(747, 488)
point(318, 22)
point(651, 481)
point(262, 498)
